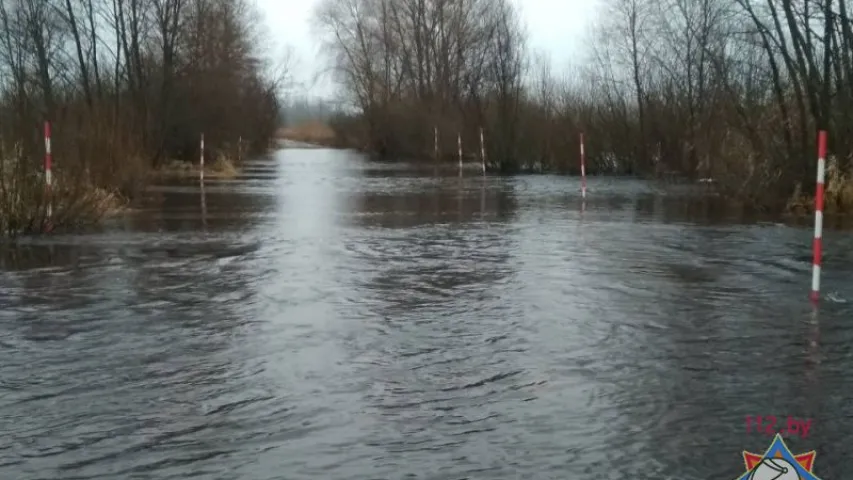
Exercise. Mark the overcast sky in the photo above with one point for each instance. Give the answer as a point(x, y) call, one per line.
point(559, 27)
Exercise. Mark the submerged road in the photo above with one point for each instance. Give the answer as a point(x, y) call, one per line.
point(324, 317)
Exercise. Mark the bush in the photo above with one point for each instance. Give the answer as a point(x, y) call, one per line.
point(25, 200)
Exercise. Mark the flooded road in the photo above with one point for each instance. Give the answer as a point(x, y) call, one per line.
point(323, 317)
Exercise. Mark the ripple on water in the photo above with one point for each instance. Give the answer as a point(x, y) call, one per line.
point(350, 320)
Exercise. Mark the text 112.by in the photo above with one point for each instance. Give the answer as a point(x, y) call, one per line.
point(771, 425)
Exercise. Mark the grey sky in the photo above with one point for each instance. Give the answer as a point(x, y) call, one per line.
point(558, 27)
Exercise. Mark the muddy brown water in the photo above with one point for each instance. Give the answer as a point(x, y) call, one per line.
point(323, 316)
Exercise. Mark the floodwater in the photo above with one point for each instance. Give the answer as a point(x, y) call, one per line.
point(324, 317)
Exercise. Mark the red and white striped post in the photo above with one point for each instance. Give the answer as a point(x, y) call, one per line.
point(483, 150)
point(201, 159)
point(48, 169)
point(817, 246)
point(583, 168)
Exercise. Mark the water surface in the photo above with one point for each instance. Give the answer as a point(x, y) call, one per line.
point(327, 317)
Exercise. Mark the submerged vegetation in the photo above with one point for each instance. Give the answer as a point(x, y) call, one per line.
point(733, 90)
point(126, 85)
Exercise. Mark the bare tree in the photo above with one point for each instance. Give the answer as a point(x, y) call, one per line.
point(729, 89)
point(128, 83)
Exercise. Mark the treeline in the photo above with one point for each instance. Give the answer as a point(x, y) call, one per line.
point(734, 90)
point(126, 85)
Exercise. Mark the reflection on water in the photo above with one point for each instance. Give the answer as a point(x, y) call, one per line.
point(438, 203)
point(327, 317)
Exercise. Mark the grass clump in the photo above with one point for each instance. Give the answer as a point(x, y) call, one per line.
point(223, 166)
point(838, 193)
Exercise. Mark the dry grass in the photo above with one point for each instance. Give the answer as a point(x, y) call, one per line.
point(312, 132)
point(838, 196)
point(25, 201)
point(800, 204)
point(222, 167)
point(839, 188)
